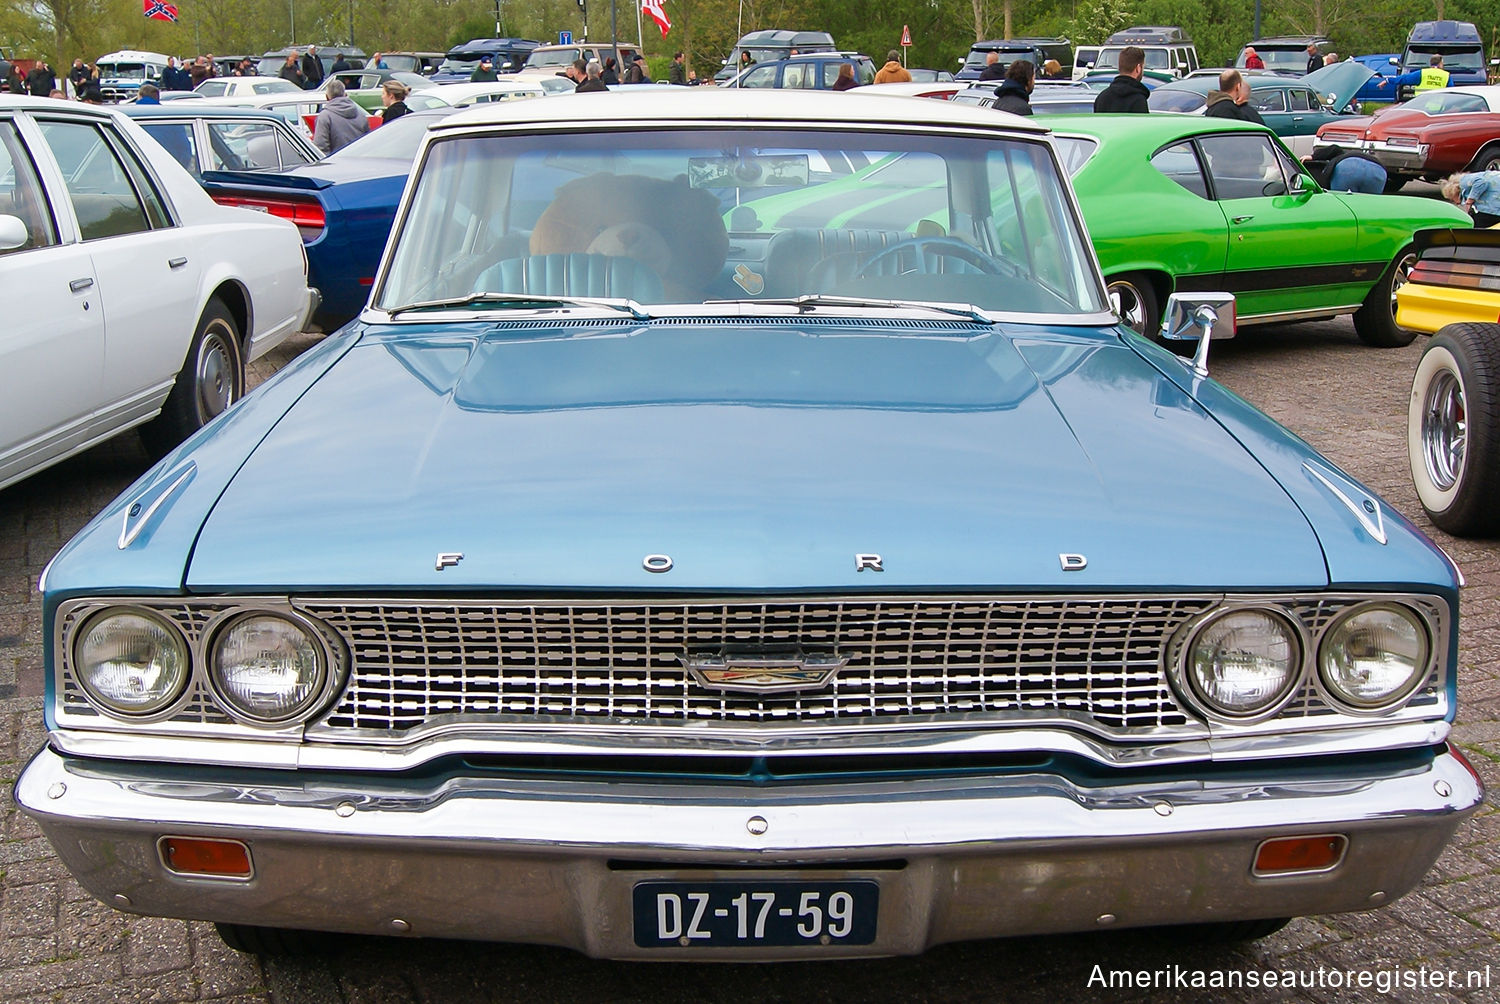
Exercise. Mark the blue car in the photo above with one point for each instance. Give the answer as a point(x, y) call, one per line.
point(750, 538)
point(1385, 64)
point(342, 204)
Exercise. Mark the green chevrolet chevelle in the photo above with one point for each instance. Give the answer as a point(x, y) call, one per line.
point(1177, 203)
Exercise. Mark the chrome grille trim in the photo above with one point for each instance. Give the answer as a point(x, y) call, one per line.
point(918, 664)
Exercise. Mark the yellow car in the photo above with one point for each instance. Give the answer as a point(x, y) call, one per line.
point(1453, 419)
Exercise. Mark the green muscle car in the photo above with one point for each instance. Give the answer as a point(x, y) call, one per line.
point(1182, 203)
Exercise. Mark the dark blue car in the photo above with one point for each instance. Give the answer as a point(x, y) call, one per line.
point(343, 205)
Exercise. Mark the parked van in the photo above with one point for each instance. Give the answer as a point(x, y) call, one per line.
point(1285, 54)
point(507, 55)
point(550, 60)
point(1038, 50)
point(774, 43)
point(1083, 60)
point(122, 73)
point(1170, 54)
point(1459, 44)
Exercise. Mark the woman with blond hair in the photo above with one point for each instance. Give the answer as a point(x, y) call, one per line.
point(1478, 193)
point(393, 96)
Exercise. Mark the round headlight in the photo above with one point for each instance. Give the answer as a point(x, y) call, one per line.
point(267, 668)
point(1243, 663)
point(131, 662)
point(1374, 656)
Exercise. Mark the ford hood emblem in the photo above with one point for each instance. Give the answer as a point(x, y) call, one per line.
point(763, 672)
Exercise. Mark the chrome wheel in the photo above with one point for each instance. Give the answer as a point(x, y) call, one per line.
point(216, 376)
point(1400, 276)
point(1445, 430)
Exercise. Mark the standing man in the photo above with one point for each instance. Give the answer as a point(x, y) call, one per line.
point(1253, 60)
point(484, 73)
point(77, 77)
point(291, 71)
point(992, 68)
point(41, 81)
point(340, 122)
point(1314, 57)
point(312, 68)
point(200, 71)
point(637, 74)
point(340, 64)
point(1232, 99)
point(594, 80)
point(1126, 93)
point(892, 72)
point(677, 73)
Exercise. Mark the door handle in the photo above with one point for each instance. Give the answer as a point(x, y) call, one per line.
point(79, 285)
point(1242, 219)
point(176, 262)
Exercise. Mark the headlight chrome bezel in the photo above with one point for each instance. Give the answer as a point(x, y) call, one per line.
point(1180, 673)
point(1399, 697)
point(329, 667)
point(164, 710)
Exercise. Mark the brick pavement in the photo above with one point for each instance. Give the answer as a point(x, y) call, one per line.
point(58, 944)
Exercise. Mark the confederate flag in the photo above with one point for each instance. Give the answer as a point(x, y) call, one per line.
point(654, 11)
point(160, 10)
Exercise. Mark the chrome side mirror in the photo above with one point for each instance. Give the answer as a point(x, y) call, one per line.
point(12, 233)
point(1204, 316)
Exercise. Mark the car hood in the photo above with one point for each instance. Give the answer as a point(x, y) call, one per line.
point(1337, 83)
point(754, 456)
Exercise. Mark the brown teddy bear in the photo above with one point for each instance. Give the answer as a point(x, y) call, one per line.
point(675, 229)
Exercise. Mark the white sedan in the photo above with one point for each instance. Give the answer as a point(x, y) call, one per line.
point(132, 299)
point(244, 87)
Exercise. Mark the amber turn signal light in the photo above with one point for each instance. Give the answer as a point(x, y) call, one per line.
point(1290, 855)
point(205, 856)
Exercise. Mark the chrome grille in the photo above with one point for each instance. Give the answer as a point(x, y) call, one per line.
point(621, 662)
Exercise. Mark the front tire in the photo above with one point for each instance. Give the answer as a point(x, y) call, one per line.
point(211, 380)
point(1134, 300)
point(1453, 429)
point(1487, 159)
point(1375, 320)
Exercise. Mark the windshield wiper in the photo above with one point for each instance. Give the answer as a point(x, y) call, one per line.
point(625, 306)
point(809, 300)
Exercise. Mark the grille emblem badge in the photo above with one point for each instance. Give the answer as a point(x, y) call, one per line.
point(763, 672)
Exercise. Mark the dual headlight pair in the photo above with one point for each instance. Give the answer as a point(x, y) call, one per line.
point(1246, 663)
point(263, 668)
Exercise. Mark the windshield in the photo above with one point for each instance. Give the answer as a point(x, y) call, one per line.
point(1279, 60)
point(127, 71)
point(688, 216)
point(554, 57)
point(1156, 59)
point(1446, 103)
point(1419, 57)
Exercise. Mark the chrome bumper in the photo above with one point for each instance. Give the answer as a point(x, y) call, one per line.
point(554, 862)
point(1401, 159)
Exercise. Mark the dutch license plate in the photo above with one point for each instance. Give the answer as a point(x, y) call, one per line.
point(718, 914)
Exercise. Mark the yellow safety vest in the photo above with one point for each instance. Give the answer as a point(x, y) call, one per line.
point(1432, 79)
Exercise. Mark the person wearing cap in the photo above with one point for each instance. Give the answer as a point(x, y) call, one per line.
point(484, 72)
point(637, 74)
point(312, 68)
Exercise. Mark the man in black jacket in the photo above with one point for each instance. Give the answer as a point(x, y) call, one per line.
point(1232, 100)
point(312, 69)
point(992, 68)
point(1314, 57)
point(1014, 95)
point(1126, 93)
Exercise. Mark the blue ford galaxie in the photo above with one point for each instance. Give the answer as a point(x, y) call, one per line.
point(737, 527)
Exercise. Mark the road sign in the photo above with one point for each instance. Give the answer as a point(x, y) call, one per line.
point(905, 35)
point(565, 38)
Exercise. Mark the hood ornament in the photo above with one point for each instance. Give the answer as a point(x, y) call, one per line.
point(764, 672)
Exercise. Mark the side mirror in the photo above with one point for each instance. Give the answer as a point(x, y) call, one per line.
point(1204, 316)
point(12, 233)
point(1396, 62)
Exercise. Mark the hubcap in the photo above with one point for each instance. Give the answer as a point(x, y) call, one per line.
point(1445, 430)
point(1400, 277)
point(1126, 300)
point(217, 380)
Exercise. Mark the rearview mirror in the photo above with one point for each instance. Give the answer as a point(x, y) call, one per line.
point(12, 233)
point(1204, 316)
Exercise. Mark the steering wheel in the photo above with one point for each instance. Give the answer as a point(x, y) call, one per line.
point(926, 251)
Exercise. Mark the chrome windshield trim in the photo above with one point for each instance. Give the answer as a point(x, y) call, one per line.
point(737, 308)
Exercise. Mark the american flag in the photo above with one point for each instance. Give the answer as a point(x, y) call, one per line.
point(653, 10)
point(160, 10)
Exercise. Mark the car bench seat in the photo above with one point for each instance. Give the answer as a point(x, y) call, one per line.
point(575, 274)
point(792, 253)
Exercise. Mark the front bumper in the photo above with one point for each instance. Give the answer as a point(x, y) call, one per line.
point(554, 861)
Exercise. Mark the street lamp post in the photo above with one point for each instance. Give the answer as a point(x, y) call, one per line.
point(291, 17)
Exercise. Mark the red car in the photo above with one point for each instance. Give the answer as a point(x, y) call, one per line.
point(1432, 135)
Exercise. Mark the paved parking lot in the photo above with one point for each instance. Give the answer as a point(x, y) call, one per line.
point(57, 944)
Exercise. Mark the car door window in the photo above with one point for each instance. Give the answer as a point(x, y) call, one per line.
point(21, 192)
point(1179, 162)
point(213, 88)
point(760, 76)
point(177, 139)
point(103, 194)
point(830, 74)
point(1302, 101)
point(1268, 101)
point(799, 75)
point(244, 146)
point(290, 153)
point(1243, 166)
